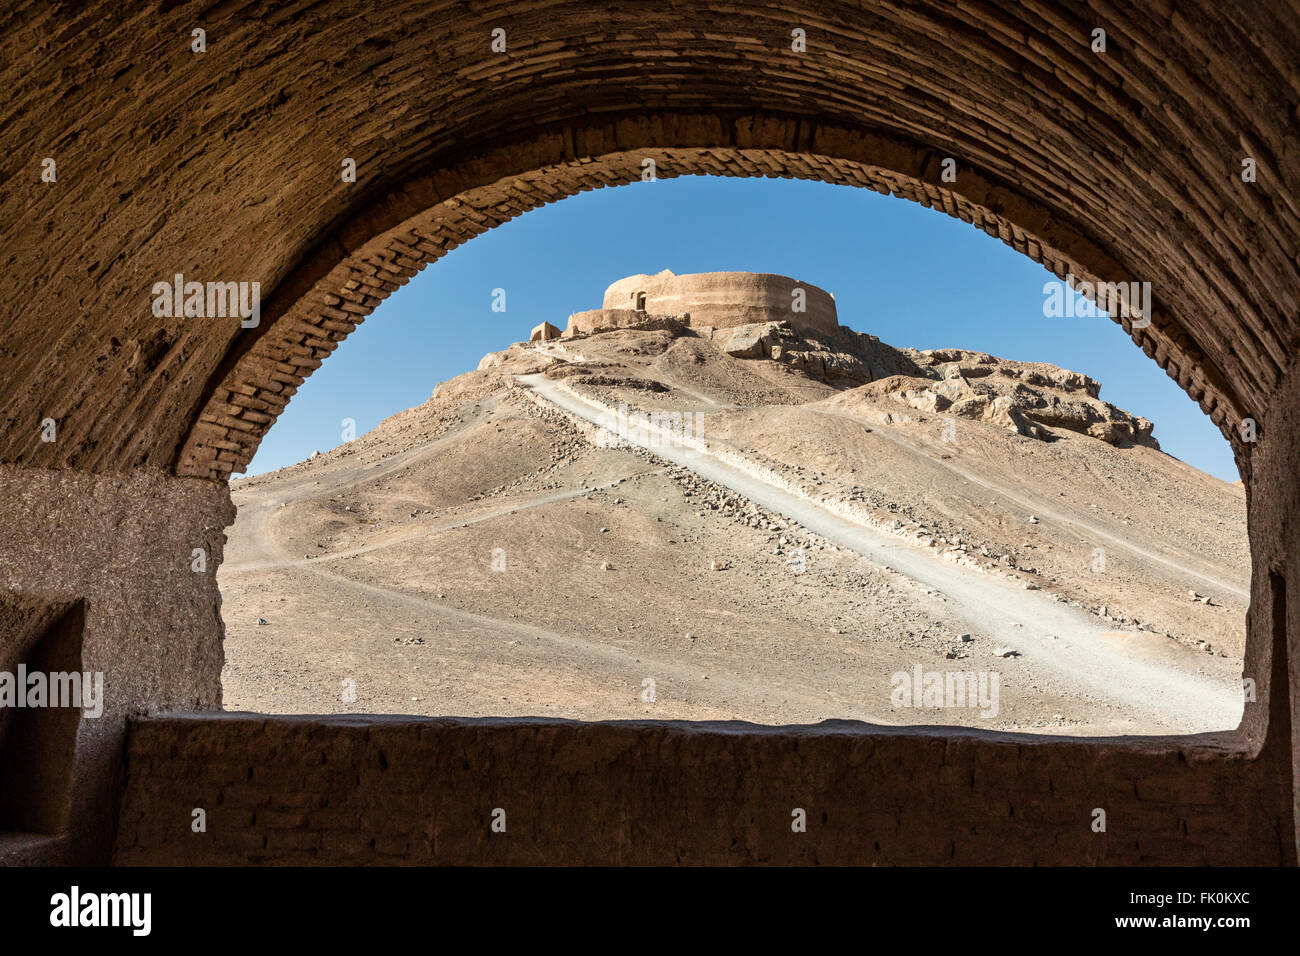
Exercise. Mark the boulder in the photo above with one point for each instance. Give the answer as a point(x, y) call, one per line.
point(1113, 432)
point(828, 358)
point(999, 410)
point(844, 365)
point(966, 370)
point(943, 355)
point(1142, 428)
point(1004, 411)
point(954, 390)
point(973, 407)
point(753, 341)
point(1074, 381)
point(924, 400)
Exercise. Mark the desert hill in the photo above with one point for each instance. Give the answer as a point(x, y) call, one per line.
point(837, 512)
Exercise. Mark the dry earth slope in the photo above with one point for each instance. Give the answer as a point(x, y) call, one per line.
point(770, 526)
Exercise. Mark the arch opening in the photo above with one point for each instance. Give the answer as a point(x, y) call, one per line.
point(706, 334)
point(1136, 154)
point(335, 288)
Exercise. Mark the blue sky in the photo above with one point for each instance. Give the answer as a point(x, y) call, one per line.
point(912, 276)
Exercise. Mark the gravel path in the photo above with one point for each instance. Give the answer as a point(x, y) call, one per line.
point(1056, 644)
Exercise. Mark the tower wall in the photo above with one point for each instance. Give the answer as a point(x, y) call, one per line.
point(725, 299)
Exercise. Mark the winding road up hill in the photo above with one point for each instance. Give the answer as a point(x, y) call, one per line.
point(761, 524)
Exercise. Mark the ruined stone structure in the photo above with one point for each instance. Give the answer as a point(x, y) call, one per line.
point(544, 332)
point(129, 159)
point(718, 300)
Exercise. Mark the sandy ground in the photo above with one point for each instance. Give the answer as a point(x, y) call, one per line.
point(485, 554)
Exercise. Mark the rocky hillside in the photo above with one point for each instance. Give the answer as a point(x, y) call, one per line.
point(492, 552)
point(1030, 398)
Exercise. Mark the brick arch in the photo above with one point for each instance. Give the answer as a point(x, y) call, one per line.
point(344, 282)
point(225, 166)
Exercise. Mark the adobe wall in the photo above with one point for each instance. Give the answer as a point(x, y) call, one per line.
point(723, 300)
point(124, 545)
point(590, 320)
point(1272, 465)
point(397, 790)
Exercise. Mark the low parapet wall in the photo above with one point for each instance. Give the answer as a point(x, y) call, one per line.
point(387, 790)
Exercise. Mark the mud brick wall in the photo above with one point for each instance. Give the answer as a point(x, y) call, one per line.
point(725, 299)
point(391, 790)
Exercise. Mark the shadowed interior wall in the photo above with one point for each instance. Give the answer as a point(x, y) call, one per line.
point(123, 546)
point(224, 166)
point(38, 745)
point(1274, 517)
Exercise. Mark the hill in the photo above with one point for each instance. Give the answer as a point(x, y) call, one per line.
point(769, 523)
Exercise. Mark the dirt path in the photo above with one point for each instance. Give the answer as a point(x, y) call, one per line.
point(594, 656)
point(597, 659)
point(271, 556)
point(258, 549)
point(1057, 645)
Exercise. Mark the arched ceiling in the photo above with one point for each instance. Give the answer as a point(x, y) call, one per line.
point(224, 166)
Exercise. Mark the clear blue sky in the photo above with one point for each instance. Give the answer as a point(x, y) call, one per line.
point(912, 276)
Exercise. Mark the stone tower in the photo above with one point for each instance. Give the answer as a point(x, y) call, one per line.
point(717, 300)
